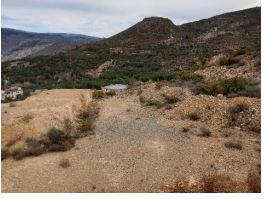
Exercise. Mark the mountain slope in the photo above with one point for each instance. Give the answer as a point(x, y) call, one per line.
point(18, 44)
point(153, 49)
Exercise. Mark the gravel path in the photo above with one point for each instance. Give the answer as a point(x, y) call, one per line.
point(133, 155)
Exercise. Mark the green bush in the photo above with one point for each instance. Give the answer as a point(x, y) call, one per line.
point(171, 99)
point(189, 76)
point(235, 85)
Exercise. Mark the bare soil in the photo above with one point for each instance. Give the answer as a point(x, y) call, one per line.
point(134, 149)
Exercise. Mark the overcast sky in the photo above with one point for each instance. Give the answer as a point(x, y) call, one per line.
point(105, 18)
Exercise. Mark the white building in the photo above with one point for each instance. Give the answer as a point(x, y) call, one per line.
point(115, 87)
point(12, 93)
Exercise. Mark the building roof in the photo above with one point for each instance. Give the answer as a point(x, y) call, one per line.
point(115, 87)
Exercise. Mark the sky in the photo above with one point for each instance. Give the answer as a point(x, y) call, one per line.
point(104, 18)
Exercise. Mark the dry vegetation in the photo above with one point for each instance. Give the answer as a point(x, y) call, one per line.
point(215, 183)
point(64, 163)
point(57, 139)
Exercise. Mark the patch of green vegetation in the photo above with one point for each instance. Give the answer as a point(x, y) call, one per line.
point(171, 99)
point(189, 76)
point(240, 51)
point(235, 85)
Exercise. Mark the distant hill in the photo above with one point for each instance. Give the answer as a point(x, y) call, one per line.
point(17, 43)
point(153, 49)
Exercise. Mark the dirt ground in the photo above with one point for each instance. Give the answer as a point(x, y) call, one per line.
point(134, 149)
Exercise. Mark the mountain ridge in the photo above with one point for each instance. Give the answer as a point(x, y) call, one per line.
point(19, 43)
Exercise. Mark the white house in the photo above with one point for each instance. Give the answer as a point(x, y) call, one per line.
point(12, 93)
point(115, 87)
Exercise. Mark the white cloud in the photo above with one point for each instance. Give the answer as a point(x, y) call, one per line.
point(107, 17)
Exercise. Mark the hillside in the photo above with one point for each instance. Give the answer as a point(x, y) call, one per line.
point(153, 49)
point(189, 120)
point(17, 43)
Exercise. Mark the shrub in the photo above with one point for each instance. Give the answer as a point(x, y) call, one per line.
point(12, 104)
point(255, 125)
point(238, 108)
point(228, 60)
point(189, 76)
point(209, 183)
point(217, 183)
point(4, 153)
point(64, 163)
point(86, 118)
point(234, 145)
point(240, 51)
point(234, 112)
point(154, 103)
point(98, 94)
point(11, 143)
point(110, 93)
point(26, 118)
point(233, 86)
point(171, 99)
point(254, 182)
point(205, 132)
point(158, 85)
point(193, 116)
point(185, 129)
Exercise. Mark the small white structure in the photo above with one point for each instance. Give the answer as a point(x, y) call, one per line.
point(115, 87)
point(12, 93)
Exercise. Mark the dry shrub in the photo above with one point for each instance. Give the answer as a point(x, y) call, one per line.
point(64, 163)
point(254, 182)
point(255, 125)
point(158, 85)
point(86, 118)
point(4, 153)
point(219, 183)
point(11, 143)
point(185, 129)
point(210, 183)
point(98, 94)
point(150, 102)
point(139, 92)
point(55, 140)
point(204, 132)
point(12, 104)
point(110, 93)
point(171, 99)
point(234, 112)
point(234, 144)
point(26, 118)
point(193, 116)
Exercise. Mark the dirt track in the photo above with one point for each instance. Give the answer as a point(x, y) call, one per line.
point(132, 151)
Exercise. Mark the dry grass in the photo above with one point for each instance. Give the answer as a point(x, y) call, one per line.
point(64, 163)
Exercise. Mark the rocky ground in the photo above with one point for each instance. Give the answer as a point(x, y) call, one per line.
point(136, 147)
